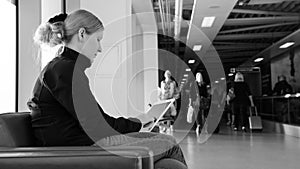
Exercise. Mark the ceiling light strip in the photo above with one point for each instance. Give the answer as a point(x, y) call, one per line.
point(258, 59)
point(191, 61)
point(286, 45)
point(208, 21)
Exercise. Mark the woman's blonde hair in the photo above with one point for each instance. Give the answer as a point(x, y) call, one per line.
point(61, 32)
point(199, 77)
point(239, 77)
point(168, 72)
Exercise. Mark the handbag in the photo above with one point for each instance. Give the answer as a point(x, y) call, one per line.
point(189, 116)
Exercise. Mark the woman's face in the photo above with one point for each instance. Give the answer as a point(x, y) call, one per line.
point(167, 75)
point(92, 45)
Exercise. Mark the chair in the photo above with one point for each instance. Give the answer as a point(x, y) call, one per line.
point(17, 150)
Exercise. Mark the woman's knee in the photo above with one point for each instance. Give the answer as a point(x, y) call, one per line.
point(156, 136)
point(167, 137)
point(141, 134)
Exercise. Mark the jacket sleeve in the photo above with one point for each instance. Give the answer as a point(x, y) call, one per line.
point(121, 124)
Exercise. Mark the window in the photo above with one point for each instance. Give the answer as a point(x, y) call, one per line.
point(48, 53)
point(8, 56)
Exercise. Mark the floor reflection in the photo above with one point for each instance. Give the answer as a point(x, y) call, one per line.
point(239, 150)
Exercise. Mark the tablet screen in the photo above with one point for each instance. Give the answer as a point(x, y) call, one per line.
point(156, 111)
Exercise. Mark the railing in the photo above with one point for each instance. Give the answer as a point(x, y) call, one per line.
point(282, 109)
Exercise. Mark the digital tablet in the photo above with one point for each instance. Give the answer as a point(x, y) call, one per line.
point(157, 111)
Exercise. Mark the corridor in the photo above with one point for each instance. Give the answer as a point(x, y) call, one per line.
point(237, 150)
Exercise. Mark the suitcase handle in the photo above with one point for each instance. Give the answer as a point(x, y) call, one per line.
point(253, 107)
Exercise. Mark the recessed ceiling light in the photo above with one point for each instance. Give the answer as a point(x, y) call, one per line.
point(208, 21)
point(243, 2)
point(286, 45)
point(187, 69)
point(230, 74)
point(191, 61)
point(184, 79)
point(240, 3)
point(258, 59)
point(197, 47)
point(185, 75)
point(222, 78)
point(216, 81)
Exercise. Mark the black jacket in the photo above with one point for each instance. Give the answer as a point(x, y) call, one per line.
point(242, 93)
point(198, 90)
point(282, 88)
point(64, 110)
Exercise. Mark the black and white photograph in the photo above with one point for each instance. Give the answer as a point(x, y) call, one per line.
point(150, 84)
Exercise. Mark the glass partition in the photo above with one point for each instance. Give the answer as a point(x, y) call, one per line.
point(282, 109)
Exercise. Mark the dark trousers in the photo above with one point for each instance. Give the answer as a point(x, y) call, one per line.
point(240, 112)
point(200, 117)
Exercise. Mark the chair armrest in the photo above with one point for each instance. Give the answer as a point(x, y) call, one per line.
point(75, 157)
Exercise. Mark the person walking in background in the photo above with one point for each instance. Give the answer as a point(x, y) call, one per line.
point(241, 102)
point(217, 97)
point(177, 97)
point(228, 104)
point(63, 109)
point(168, 90)
point(199, 100)
point(282, 87)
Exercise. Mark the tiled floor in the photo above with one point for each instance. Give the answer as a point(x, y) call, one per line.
point(237, 150)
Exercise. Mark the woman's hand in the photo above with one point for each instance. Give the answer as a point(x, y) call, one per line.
point(149, 123)
point(251, 101)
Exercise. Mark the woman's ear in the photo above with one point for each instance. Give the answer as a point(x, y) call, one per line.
point(81, 34)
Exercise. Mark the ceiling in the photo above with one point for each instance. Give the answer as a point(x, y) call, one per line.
point(242, 30)
point(254, 27)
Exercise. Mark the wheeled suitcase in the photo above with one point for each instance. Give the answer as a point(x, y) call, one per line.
point(254, 120)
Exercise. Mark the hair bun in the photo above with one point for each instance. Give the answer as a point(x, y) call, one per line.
point(58, 18)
